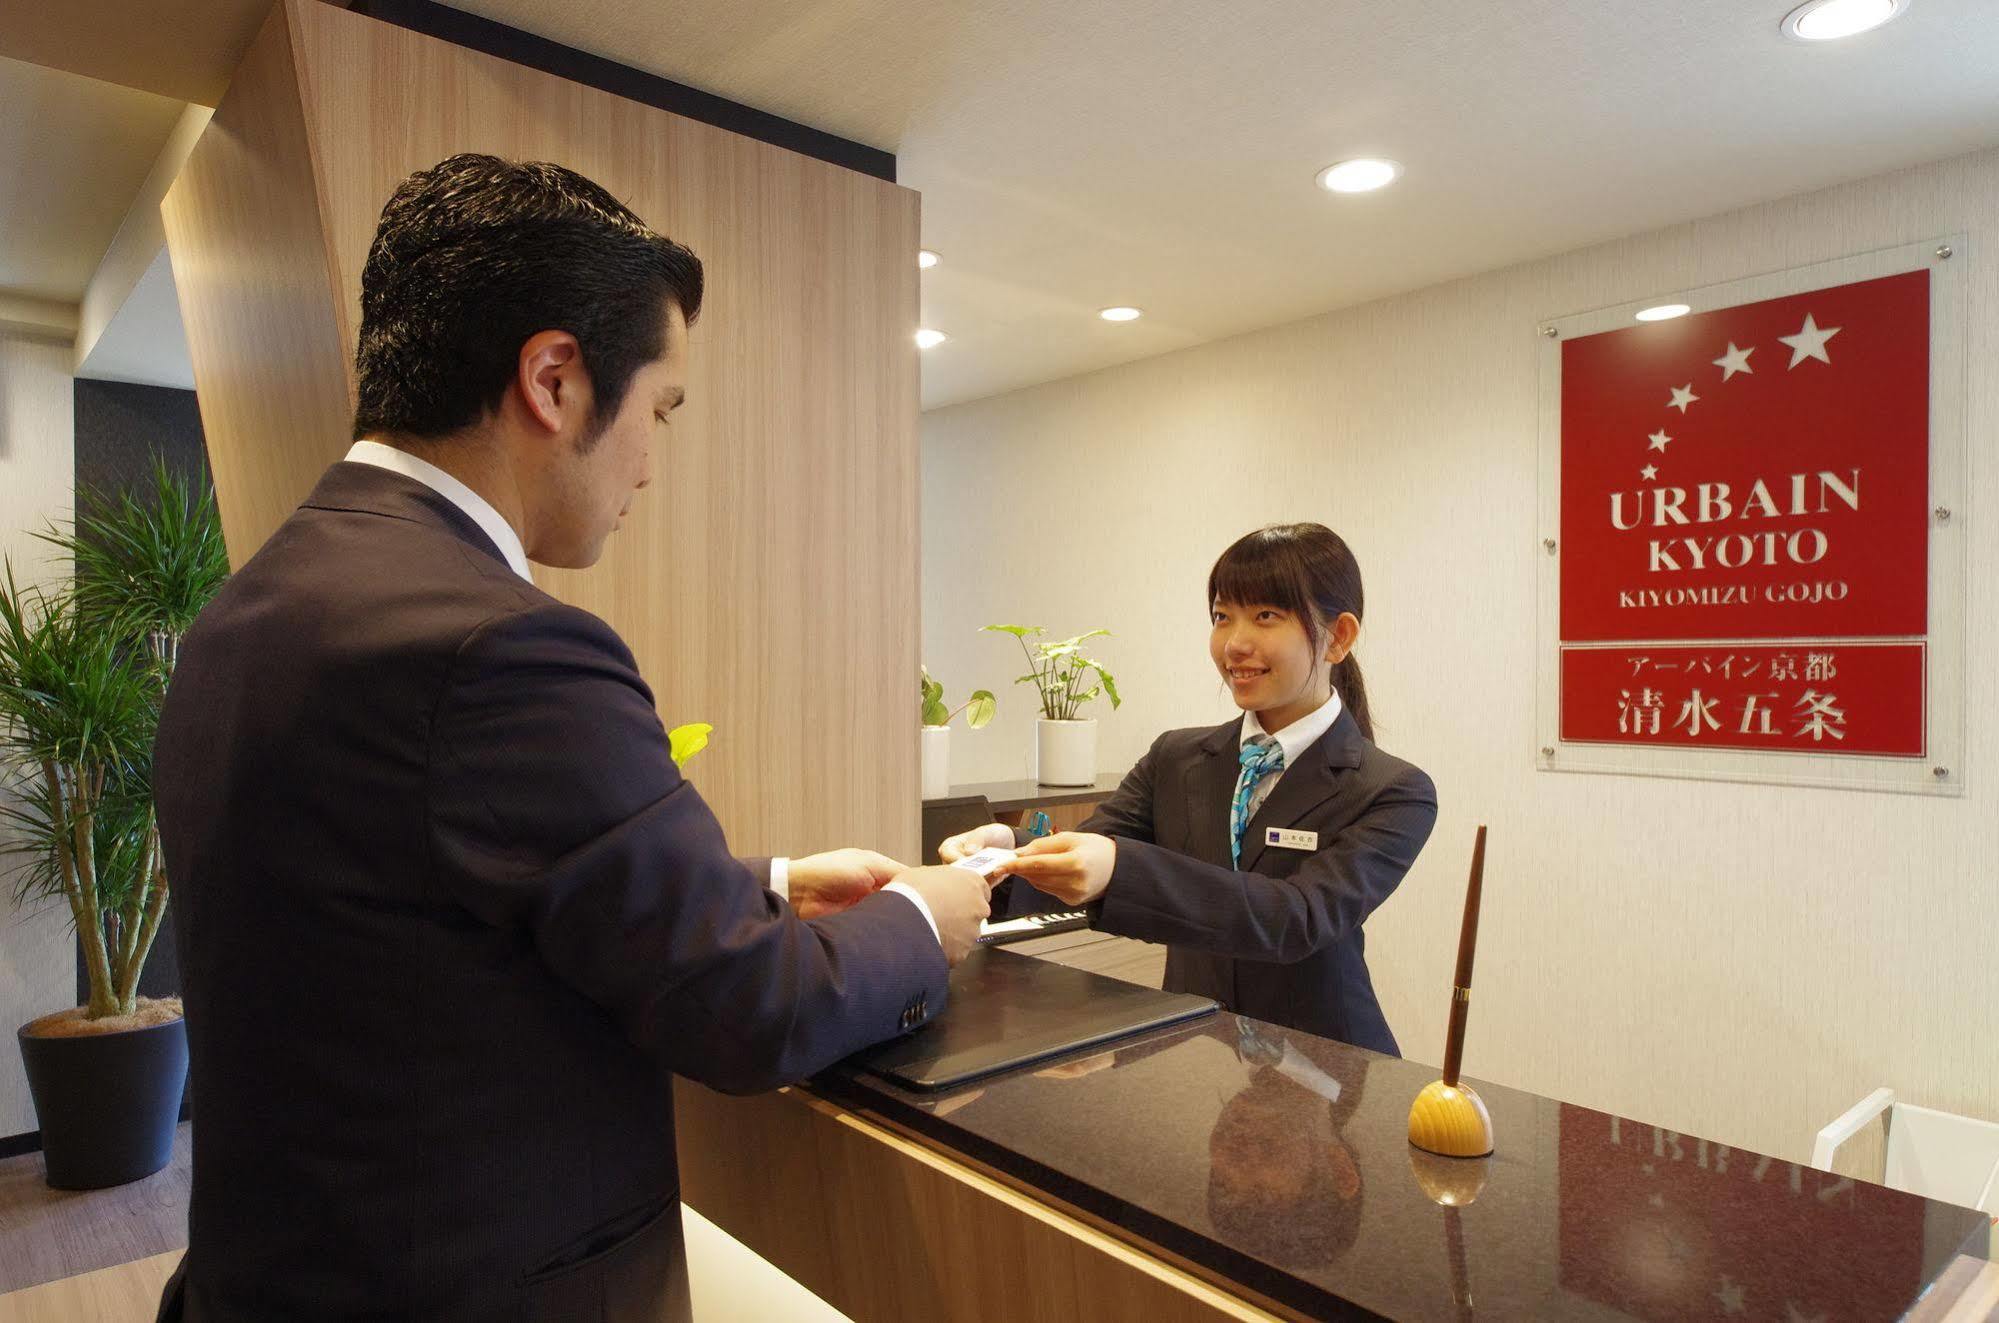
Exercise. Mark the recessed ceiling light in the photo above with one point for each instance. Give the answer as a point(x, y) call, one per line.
point(1361, 175)
point(1664, 312)
point(1829, 20)
point(925, 258)
point(929, 339)
point(1121, 314)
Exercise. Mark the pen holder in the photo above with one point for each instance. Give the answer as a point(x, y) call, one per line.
point(1450, 1119)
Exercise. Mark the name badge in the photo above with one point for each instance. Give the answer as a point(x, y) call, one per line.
point(1284, 838)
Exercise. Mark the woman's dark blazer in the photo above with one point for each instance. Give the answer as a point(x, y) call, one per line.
point(1280, 940)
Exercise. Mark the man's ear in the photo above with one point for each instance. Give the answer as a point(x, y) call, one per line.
point(549, 378)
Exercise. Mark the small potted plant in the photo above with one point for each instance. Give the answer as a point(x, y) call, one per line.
point(936, 718)
point(83, 669)
point(1065, 745)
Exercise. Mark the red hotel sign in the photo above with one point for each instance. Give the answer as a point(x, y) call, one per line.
point(1745, 525)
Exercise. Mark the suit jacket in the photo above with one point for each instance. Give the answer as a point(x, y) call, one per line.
point(1280, 940)
point(449, 920)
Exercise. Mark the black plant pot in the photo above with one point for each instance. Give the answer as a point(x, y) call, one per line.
point(107, 1103)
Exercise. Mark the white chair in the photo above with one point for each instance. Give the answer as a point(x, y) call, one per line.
point(1938, 1155)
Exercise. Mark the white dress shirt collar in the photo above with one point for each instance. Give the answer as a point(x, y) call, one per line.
point(475, 506)
point(1297, 737)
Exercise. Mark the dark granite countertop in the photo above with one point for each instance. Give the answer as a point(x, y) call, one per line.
point(1281, 1162)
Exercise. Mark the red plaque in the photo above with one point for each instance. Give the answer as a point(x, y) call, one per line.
point(1780, 697)
point(1735, 478)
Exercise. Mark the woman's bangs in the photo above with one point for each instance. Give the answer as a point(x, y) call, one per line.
point(1260, 571)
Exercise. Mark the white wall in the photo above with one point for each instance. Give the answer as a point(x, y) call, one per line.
point(37, 475)
point(145, 342)
point(128, 325)
point(1736, 961)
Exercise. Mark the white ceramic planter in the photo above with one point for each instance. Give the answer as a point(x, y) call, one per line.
point(1065, 752)
point(936, 762)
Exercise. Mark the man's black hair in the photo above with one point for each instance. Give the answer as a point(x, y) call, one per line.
point(475, 255)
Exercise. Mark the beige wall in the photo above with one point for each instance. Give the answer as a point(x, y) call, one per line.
point(37, 471)
point(1737, 961)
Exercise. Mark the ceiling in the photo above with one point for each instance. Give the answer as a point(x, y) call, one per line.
point(1162, 153)
point(1074, 155)
point(73, 152)
point(185, 50)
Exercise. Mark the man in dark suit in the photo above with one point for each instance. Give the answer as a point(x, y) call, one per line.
point(449, 919)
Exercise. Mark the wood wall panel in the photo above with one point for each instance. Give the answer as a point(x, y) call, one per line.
point(767, 581)
point(249, 259)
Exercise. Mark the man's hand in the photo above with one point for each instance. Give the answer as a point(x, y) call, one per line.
point(958, 899)
point(968, 843)
point(821, 884)
point(1072, 866)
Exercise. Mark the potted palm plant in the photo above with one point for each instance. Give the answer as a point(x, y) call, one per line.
point(1065, 745)
point(83, 669)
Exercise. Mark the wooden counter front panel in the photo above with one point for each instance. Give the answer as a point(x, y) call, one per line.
point(885, 1230)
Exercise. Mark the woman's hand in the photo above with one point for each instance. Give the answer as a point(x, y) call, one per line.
point(968, 843)
point(1072, 866)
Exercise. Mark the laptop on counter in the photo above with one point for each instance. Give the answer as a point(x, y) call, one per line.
point(1008, 1011)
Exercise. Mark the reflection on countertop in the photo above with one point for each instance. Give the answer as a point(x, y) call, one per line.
point(1280, 1162)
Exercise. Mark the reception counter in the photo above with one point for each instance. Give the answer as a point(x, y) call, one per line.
point(1230, 1169)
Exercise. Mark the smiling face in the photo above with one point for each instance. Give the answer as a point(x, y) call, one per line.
point(1266, 656)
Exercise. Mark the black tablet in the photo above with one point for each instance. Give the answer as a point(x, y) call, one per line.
point(1009, 1010)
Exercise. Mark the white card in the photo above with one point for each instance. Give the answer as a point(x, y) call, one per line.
point(1284, 838)
point(985, 861)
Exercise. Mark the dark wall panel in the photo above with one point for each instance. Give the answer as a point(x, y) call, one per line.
point(119, 428)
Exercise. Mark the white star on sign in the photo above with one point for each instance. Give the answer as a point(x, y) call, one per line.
point(1659, 440)
point(1682, 397)
point(1649, 472)
point(1731, 1296)
point(1809, 342)
point(1734, 361)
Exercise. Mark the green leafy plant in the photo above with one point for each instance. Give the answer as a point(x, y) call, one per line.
point(83, 670)
point(1061, 672)
point(978, 709)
